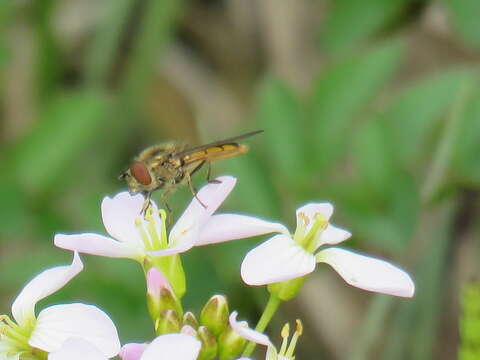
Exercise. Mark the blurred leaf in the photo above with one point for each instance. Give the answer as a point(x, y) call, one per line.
point(254, 192)
point(464, 17)
point(107, 40)
point(280, 115)
point(66, 127)
point(425, 308)
point(444, 150)
point(415, 112)
point(466, 164)
point(374, 157)
point(47, 56)
point(350, 21)
point(15, 221)
point(155, 30)
point(341, 92)
point(4, 22)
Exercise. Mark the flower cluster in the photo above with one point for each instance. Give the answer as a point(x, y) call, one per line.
point(81, 331)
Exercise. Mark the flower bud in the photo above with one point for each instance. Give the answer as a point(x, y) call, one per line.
point(167, 322)
point(160, 296)
point(214, 314)
point(190, 319)
point(209, 344)
point(188, 330)
point(230, 344)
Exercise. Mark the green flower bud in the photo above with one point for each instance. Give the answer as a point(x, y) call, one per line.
point(215, 313)
point(160, 296)
point(230, 344)
point(167, 322)
point(190, 319)
point(209, 344)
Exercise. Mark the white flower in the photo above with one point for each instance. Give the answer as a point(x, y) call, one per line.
point(55, 324)
point(164, 347)
point(286, 351)
point(134, 236)
point(284, 257)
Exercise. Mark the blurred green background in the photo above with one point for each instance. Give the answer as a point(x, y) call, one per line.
point(373, 105)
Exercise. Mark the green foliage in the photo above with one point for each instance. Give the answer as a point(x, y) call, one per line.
point(281, 116)
point(350, 22)
point(366, 136)
point(470, 323)
point(464, 17)
point(66, 127)
point(341, 92)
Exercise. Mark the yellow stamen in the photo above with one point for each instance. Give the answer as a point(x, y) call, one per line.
point(309, 242)
point(285, 333)
point(147, 241)
point(164, 238)
point(293, 343)
point(301, 227)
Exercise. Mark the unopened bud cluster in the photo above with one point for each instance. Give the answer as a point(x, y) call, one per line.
point(211, 328)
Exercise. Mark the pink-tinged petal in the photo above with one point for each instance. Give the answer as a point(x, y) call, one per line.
point(132, 351)
point(226, 227)
point(368, 273)
point(119, 214)
point(333, 235)
point(95, 244)
point(77, 349)
point(311, 210)
point(57, 323)
point(173, 346)
point(156, 281)
point(212, 196)
point(277, 259)
point(242, 329)
point(42, 285)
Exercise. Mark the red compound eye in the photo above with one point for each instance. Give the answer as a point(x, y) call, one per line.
point(140, 172)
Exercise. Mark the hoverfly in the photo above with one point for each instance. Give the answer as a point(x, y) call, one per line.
point(167, 166)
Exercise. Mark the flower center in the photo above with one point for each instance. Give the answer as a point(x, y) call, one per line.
point(152, 228)
point(309, 240)
point(14, 339)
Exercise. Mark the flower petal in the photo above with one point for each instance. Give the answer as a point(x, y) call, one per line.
point(225, 227)
point(277, 259)
point(119, 214)
point(132, 351)
point(242, 329)
point(42, 285)
point(57, 323)
point(368, 273)
point(77, 349)
point(310, 211)
point(172, 346)
point(333, 235)
point(95, 244)
point(211, 195)
point(183, 243)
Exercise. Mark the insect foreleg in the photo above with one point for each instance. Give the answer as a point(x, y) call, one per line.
point(146, 203)
point(192, 189)
point(209, 172)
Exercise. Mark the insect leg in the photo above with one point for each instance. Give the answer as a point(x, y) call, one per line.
point(192, 189)
point(146, 203)
point(209, 171)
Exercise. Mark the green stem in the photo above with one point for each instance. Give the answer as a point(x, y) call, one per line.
point(270, 309)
